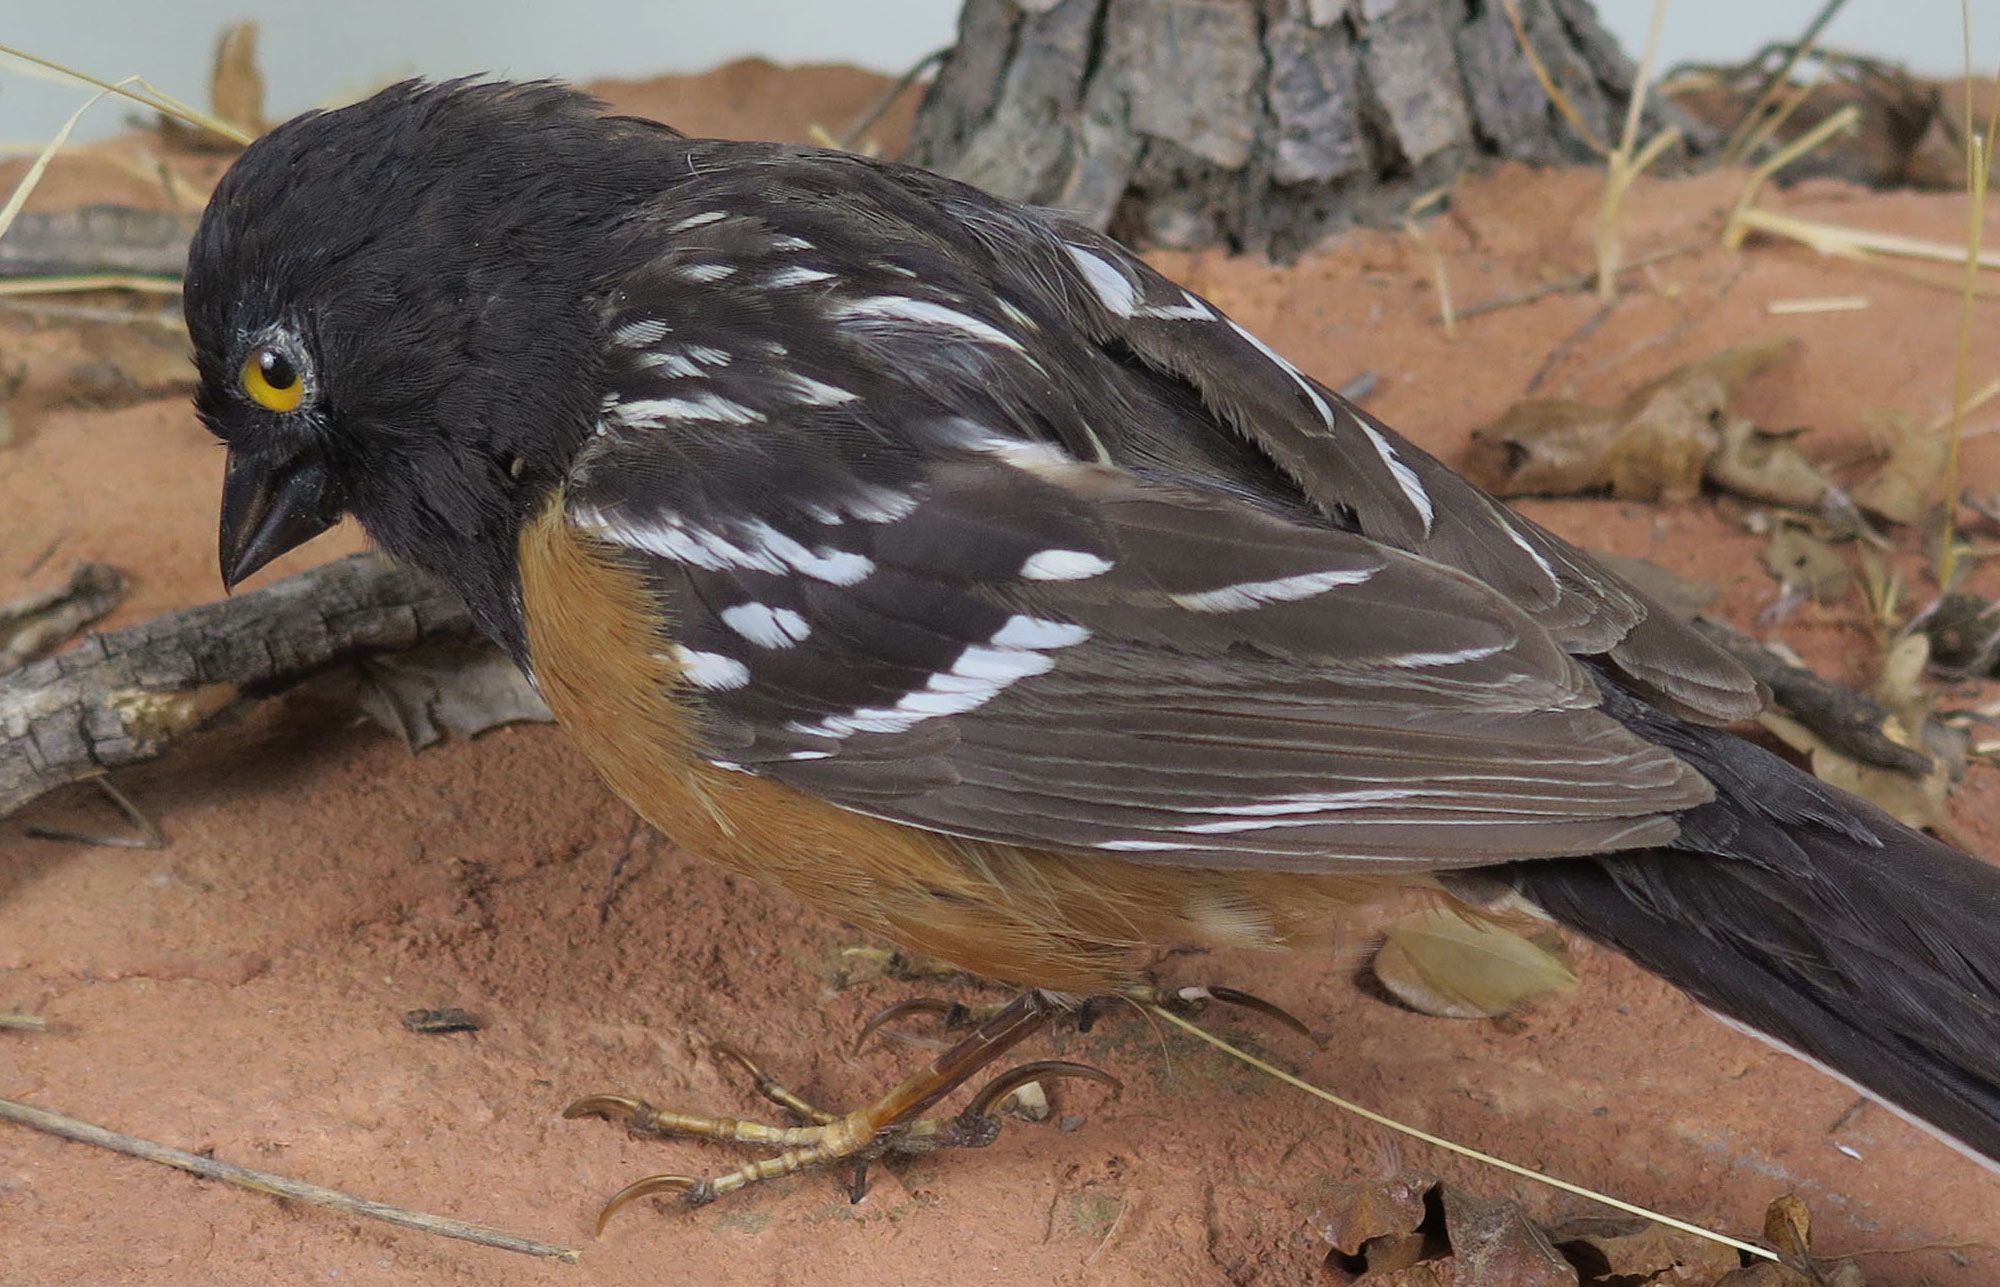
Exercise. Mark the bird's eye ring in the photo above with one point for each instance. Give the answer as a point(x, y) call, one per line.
point(272, 379)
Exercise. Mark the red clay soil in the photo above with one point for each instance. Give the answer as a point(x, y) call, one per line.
point(239, 992)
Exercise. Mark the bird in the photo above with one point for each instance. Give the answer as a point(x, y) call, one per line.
point(934, 558)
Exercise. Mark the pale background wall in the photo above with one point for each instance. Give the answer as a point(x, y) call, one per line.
point(319, 51)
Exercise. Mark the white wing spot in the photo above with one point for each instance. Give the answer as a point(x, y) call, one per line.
point(1305, 385)
point(790, 243)
point(762, 547)
point(696, 221)
point(708, 354)
point(1022, 453)
point(880, 505)
point(1514, 535)
point(670, 538)
point(1015, 652)
point(651, 413)
point(710, 670)
point(1310, 802)
point(835, 567)
point(797, 276)
point(1137, 846)
point(671, 363)
point(640, 334)
point(811, 392)
point(1255, 594)
point(765, 626)
point(901, 308)
point(704, 272)
point(1023, 631)
point(1406, 478)
point(1192, 308)
point(1447, 658)
point(1064, 565)
point(1114, 290)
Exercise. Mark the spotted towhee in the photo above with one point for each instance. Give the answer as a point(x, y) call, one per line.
point(935, 558)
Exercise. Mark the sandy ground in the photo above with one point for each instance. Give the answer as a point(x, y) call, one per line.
point(239, 992)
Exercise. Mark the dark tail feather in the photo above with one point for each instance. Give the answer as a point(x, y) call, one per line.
point(1816, 920)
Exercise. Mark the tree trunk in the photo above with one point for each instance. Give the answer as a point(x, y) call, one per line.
point(1258, 124)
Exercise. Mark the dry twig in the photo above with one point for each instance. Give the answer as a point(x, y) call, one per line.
point(70, 1128)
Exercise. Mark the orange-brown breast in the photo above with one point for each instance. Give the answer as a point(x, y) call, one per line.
point(1068, 922)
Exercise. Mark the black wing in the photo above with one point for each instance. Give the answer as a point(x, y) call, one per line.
point(967, 519)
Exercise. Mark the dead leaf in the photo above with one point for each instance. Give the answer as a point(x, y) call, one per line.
point(1363, 1213)
point(1766, 466)
point(1383, 1232)
point(1658, 445)
point(1903, 688)
point(1413, 1231)
point(38, 624)
point(1493, 1241)
point(1788, 1226)
point(1544, 448)
point(1456, 964)
point(1639, 1251)
point(1806, 565)
point(1906, 488)
point(1788, 1230)
point(422, 694)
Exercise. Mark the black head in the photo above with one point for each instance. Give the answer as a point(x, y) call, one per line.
point(395, 310)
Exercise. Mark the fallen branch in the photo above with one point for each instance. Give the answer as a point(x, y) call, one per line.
point(1845, 720)
point(70, 1128)
point(125, 697)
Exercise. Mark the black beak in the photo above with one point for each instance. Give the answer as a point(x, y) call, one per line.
point(269, 509)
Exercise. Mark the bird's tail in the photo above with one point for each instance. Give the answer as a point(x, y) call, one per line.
point(1819, 922)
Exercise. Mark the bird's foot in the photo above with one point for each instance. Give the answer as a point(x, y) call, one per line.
point(894, 1123)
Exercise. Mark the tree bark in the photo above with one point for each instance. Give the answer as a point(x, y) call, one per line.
point(1259, 125)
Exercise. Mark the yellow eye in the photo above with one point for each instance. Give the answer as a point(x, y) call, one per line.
point(271, 380)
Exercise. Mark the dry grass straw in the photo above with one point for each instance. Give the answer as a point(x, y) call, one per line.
point(1624, 163)
point(139, 90)
point(40, 166)
point(1628, 161)
point(1978, 174)
point(1548, 82)
point(1440, 278)
point(90, 282)
point(1390, 1123)
point(1817, 304)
